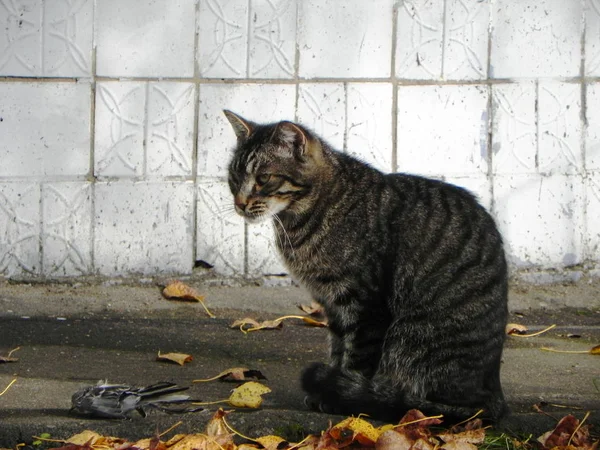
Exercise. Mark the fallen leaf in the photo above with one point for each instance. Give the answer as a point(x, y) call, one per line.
point(85, 437)
point(8, 358)
point(253, 325)
point(314, 323)
point(392, 440)
point(537, 333)
point(217, 425)
point(314, 309)
point(416, 419)
point(515, 328)
point(235, 374)
point(470, 436)
point(179, 358)
point(595, 350)
point(272, 442)
point(362, 431)
point(248, 395)
point(195, 442)
point(180, 291)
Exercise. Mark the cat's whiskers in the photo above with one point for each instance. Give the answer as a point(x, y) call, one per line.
point(285, 234)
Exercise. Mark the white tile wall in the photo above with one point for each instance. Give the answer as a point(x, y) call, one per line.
point(114, 148)
point(145, 38)
point(44, 129)
point(442, 130)
point(345, 39)
point(541, 218)
point(536, 38)
point(143, 227)
point(51, 38)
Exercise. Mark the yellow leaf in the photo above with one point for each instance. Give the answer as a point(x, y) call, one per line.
point(86, 436)
point(595, 350)
point(315, 323)
point(217, 426)
point(270, 442)
point(248, 395)
point(181, 291)
point(194, 442)
point(392, 440)
point(179, 358)
point(363, 431)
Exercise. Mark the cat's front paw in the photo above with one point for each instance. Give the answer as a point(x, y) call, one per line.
point(314, 376)
point(315, 403)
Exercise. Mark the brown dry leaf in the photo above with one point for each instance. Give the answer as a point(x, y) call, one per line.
point(179, 358)
point(217, 425)
point(392, 440)
point(314, 309)
point(149, 444)
point(515, 328)
point(248, 395)
point(569, 432)
point(314, 323)
point(416, 419)
point(235, 374)
point(595, 350)
point(180, 291)
point(470, 436)
point(272, 442)
point(8, 358)
point(248, 324)
point(196, 442)
point(362, 431)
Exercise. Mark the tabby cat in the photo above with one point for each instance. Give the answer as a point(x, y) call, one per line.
point(410, 272)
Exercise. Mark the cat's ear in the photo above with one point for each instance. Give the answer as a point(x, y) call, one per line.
point(241, 127)
point(294, 136)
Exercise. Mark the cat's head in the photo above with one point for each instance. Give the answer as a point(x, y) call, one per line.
point(273, 169)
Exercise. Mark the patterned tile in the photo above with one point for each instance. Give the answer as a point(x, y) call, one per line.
point(272, 39)
point(352, 38)
point(147, 38)
point(258, 102)
point(442, 39)
point(263, 256)
point(20, 229)
point(369, 133)
point(119, 136)
point(223, 38)
point(514, 132)
point(420, 39)
point(592, 141)
point(592, 37)
point(44, 129)
point(170, 139)
point(559, 127)
point(143, 227)
point(46, 37)
point(220, 231)
point(466, 46)
point(322, 107)
point(536, 38)
point(593, 212)
point(541, 219)
point(442, 130)
point(67, 229)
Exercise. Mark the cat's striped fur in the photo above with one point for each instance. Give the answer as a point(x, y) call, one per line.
point(410, 271)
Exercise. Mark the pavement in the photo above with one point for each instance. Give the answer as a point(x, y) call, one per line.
point(74, 334)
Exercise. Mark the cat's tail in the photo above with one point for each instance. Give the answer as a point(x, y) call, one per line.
point(338, 391)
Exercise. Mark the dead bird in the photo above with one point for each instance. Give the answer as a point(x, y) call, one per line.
point(118, 401)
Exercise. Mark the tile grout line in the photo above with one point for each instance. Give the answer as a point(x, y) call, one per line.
point(248, 24)
point(394, 111)
point(584, 126)
point(146, 130)
point(195, 130)
point(444, 39)
point(91, 173)
point(491, 114)
point(297, 62)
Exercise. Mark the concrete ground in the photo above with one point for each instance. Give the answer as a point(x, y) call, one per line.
point(72, 335)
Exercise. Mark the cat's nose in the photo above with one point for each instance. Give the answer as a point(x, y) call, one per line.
point(240, 205)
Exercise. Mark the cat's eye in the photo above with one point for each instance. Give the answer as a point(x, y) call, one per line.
point(262, 179)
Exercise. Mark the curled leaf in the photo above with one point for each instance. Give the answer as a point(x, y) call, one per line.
point(361, 431)
point(314, 309)
point(8, 358)
point(235, 374)
point(515, 328)
point(314, 323)
point(248, 395)
point(180, 291)
point(248, 324)
point(179, 358)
